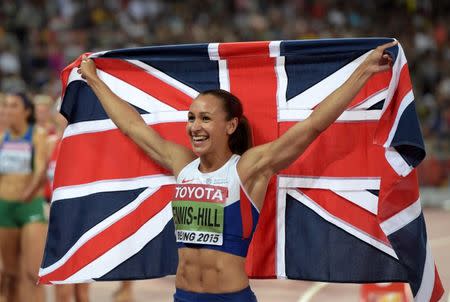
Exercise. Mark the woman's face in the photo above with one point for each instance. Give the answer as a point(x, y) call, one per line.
point(42, 113)
point(15, 110)
point(207, 126)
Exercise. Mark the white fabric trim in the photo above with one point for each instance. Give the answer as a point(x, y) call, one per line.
point(74, 76)
point(294, 115)
point(402, 218)
point(331, 183)
point(281, 234)
point(400, 166)
point(224, 77)
point(98, 54)
point(408, 99)
point(282, 82)
point(213, 51)
point(274, 48)
point(111, 186)
point(426, 287)
point(396, 69)
point(241, 186)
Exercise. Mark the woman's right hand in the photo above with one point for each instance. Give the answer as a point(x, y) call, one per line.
point(87, 69)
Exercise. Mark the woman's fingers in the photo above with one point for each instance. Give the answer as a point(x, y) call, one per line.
point(387, 45)
point(87, 67)
point(382, 59)
point(387, 55)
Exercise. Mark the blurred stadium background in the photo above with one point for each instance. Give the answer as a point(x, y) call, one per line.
point(38, 38)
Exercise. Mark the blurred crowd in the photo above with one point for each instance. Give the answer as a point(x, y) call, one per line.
point(38, 38)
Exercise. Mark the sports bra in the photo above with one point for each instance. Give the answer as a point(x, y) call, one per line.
point(212, 210)
point(16, 155)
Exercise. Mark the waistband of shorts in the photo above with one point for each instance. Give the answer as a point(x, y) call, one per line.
point(35, 199)
point(206, 296)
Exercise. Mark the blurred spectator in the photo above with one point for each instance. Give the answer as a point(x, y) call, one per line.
point(38, 38)
point(9, 61)
point(43, 105)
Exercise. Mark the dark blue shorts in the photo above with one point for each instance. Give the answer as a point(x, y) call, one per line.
point(245, 295)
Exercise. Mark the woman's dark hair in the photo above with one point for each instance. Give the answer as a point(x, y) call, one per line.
point(241, 139)
point(28, 104)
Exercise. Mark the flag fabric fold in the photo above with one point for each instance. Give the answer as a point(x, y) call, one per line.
point(347, 210)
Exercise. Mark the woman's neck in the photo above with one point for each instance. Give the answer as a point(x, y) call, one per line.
point(212, 162)
point(19, 129)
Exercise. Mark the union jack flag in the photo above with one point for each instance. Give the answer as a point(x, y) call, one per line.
point(347, 210)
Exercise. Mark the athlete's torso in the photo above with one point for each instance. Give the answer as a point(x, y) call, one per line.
point(215, 227)
point(16, 154)
point(16, 164)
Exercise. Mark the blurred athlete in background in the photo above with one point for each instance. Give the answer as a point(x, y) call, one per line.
point(23, 225)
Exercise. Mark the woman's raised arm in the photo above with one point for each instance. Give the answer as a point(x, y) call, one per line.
point(170, 155)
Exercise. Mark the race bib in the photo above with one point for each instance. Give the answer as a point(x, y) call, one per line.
point(198, 213)
point(15, 158)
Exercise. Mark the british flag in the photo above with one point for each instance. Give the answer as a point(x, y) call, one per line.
point(347, 210)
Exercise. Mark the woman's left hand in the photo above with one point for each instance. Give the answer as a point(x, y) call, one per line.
point(27, 196)
point(87, 68)
point(380, 60)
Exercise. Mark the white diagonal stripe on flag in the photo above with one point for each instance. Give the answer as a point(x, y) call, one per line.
point(126, 91)
point(166, 78)
point(317, 93)
point(281, 234)
point(97, 229)
point(133, 95)
point(295, 115)
point(107, 124)
point(364, 199)
point(397, 162)
point(402, 218)
point(125, 249)
point(371, 100)
point(408, 99)
point(341, 224)
point(427, 285)
point(330, 183)
point(100, 186)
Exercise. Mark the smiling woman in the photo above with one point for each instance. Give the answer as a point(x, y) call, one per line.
point(213, 234)
point(240, 140)
point(216, 123)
